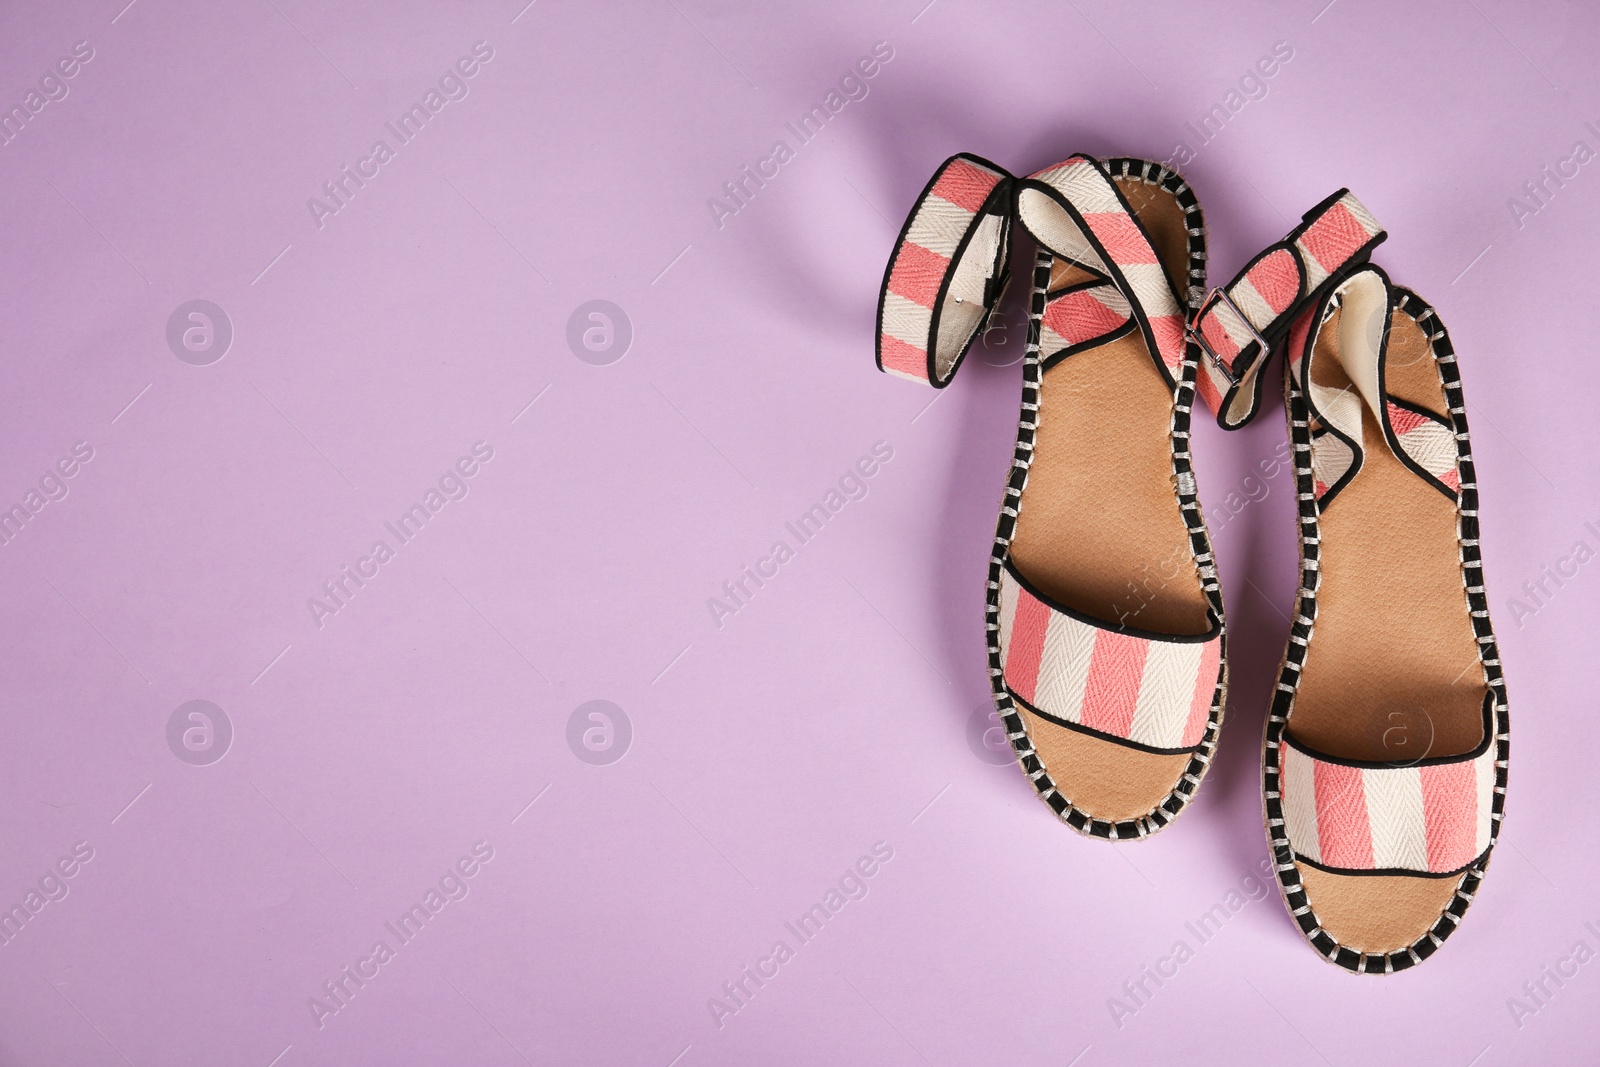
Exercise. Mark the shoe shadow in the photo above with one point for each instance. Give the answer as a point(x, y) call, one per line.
point(790, 266)
point(1258, 557)
point(983, 412)
point(877, 152)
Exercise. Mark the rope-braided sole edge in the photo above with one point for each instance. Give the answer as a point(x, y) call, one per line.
point(1289, 884)
point(1028, 759)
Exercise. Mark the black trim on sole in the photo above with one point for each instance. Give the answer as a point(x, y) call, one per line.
point(1295, 897)
point(1163, 813)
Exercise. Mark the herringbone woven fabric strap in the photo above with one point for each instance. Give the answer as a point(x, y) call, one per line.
point(1239, 323)
point(1421, 439)
point(948, 269)
point(1433, 816)
point(1076, 318)
point(1096, 229)
point(946, 272)
point(1427, 440)
point(1152, 690)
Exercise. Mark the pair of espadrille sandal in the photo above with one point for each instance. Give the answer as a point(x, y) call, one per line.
point(1384, 767)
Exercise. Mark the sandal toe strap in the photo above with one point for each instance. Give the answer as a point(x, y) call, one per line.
point(1152, 691)
point(1434, 816)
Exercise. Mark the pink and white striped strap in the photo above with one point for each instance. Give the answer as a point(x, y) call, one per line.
point(1076, 211)
point(1428, 441)
point(949, 267)
point(1152, 690)
point(1079, 316)
point(1432, 817)
point(946, 272)
point(1423, 440)
point(1240, 322)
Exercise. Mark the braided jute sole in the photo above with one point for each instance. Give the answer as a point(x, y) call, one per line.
point(1170, 806)
point(1290, 886)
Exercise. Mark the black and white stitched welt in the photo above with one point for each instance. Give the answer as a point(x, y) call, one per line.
point(1289, 884)
point(1183, 486)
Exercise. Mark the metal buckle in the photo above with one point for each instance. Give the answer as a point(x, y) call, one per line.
point(1219, 293)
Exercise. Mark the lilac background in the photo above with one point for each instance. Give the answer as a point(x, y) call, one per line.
point(833, 710)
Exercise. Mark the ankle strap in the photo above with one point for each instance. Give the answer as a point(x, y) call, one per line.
point(1238, 324)
point(948, 268)
point(947, 271)
point(1075, 211)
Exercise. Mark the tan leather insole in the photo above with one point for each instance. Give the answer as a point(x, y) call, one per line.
point(1108, 780)
point(1098, 526)
point(1392, 671)
point(1376, 912)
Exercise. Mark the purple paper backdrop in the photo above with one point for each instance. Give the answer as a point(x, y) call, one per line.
point(431, 320)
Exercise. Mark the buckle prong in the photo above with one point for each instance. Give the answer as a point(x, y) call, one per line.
point(1194, 331)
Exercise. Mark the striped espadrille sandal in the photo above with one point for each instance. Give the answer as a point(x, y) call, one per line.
point(1104, 616)
point(1384, 761)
